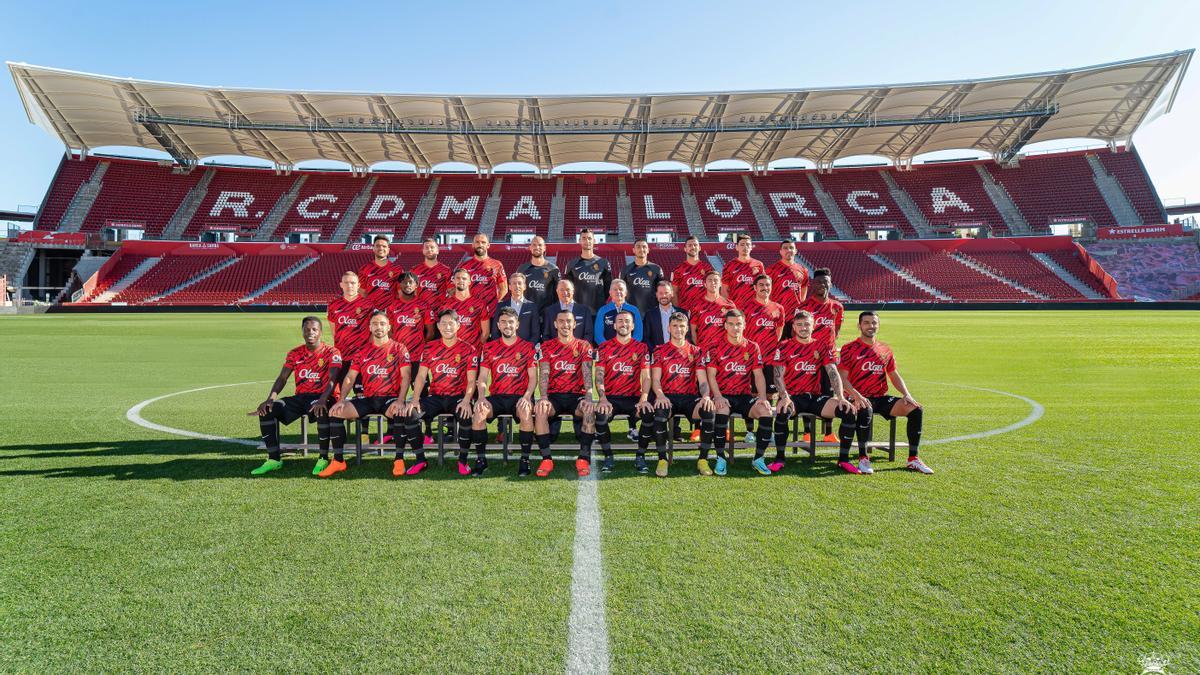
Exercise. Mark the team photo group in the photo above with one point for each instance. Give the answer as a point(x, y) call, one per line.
point(589, 343)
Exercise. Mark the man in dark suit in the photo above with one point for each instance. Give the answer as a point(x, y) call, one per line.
point(655, 329)
point(584, 317)
point(529, 322)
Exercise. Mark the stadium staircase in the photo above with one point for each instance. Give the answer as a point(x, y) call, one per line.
point(558, 212)
point(1110, 189)
point(491, 210)
point(126, 281)
point(908, 207)
point(624, 210)
point(287, 274)
point(15, 259)
point(416, 229)
point(350, 218)
point(766, 223)
point(232, 260)
point(691, 211)
point(187, 208)
point(267, 230)
point(77, 211)
point(1003, 202)
point(1071, 280)
point(832, 213)
point(907, 276)
point(987, 272)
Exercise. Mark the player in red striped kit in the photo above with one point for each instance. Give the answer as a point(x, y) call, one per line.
point(564, 377)
point(378, 276)
point(471, 305)
point(737, 279)
point(348, 315)
point(384, 367)
point(789, 279)
point(508, 371)
point(408, 316)
point(680, 387)
point(799, 361)
point(449, 366)
point(433, 281)
point(827, 324)
point(764, 324)
point(623, 388)
point(486, 272)
point(316, 367)
point(734, 365)
point(867, 366)
point(708, 314)
point(688, 277)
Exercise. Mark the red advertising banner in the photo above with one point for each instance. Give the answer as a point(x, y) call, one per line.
point(1140, 232)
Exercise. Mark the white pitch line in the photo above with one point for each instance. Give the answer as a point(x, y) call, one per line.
point(1035, 414)
point(587, 636)
point(134, 415)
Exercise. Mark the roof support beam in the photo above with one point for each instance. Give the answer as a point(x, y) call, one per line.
point(265, 146)
point(789, 108)
point(467, 127)
point(355, 160)
point(170, 141)
point(412, 150)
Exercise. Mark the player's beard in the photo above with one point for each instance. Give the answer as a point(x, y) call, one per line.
point(480, 252)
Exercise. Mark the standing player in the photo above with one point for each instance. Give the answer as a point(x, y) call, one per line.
point(508, 372)
point(764, 324)
point(798, 361)
point(623, 388)
point(471, 307)
point(680, 388)
point(316, 366)
point(827, 324)
point(689, 277)
point(541, 275)
point(409, 318)
point(867, 365)
point(348, 315)
point(433, 278)
point(589, 272)
point(564, 373)
point(449, 365)
point(377, 276)
point(734, 365)
point(737, 279)
point(486, 272)
point(641, 278)
point(789, 279)
point(708, 313)
point(384, 366)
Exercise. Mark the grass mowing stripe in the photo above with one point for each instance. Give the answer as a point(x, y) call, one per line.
point(587, 636)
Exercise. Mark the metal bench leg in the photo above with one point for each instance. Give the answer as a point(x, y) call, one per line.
point(441, 439)
point(304, 435)
point(506, 432)
point(892, 440)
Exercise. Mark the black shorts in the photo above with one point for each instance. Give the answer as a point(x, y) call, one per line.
point(503, 404)
point(564, 404)
point(624, 405)
point(291, 408)
point(882, 405)
point(811, 404)
point(683, 404)
point(372, 405)
point(438, 404)
point(740, 404)
point(769, 376)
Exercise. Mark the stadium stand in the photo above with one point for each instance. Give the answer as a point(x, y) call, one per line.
point(71, 174)
point(1050, 187)
point(590, 202)
point(793, 204)
point(459, 205)
point(171, 271)
point(1150, 270)
point(319, 205)
point(864, 279)
point(122, 266)
point(391, 206)
point(1074, 264)
point(123, 192)
point(524, 206)
point(1127, 168)
point(1026, 270)
point(657, 205)
point(234, 282)
point(724, 204)
point(240, 198)
point(317, 283)
point(950, 195)
point(863, 197)
point(953, 277)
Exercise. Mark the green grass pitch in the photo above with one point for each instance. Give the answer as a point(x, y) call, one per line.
point(1068, 545)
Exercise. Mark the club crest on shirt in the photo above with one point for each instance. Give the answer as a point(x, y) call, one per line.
point(391, 357)
point(595, 267)
point(320, 363)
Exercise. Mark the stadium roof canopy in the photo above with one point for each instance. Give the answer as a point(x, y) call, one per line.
point(997, 115)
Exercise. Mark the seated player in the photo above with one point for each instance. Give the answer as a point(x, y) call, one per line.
point(507, 376)
point(565, 369)
point(798, 363)
point(622, 378)
point(867, 365)
point(384, 367)
point(317, 366)
point(449, 365)
point(680, 388)
point(735, 374)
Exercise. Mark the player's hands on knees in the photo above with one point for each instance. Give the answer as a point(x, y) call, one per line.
point(764, 406)
point(707, 403)
point(396, 409)
point(463, 408)
point(319, 407)
point(480, 407)
point(643, 407)
point(662, 403)
point(720, 401)
point(524, 403)
point(586, 407)
point(543, 408)
point(843, 404)
point(263, 408)
point(911, 401)
point(785, 405)
point(603, 407)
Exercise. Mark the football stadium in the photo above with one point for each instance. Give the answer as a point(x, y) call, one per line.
point(889, 378)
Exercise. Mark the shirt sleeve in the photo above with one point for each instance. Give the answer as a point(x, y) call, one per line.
point(637, 323)
point(598, 328)
point(891, 363)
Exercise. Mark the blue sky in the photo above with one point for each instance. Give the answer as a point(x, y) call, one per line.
point(584, 47)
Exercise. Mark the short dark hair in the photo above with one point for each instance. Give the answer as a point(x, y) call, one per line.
point(584, 231)
point(450, 313)
point(802, 314)
point(691, 237)
point(789, 240)
point(664, 282)
point(429, 239)
point(379, 312)
point(678, 316)
point(742, 236)
point(863, 315)
point(761, 276)
point(508, 311)
point(640, 240)
point(408, 275)
point(712, 272)
point(305, 320)
point(623, 311)
point(822, 272)
point(733, 314)
point(378, 237)
point(460, 269)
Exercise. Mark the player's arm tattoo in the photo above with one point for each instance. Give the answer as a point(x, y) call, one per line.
point(779, 385)
point(598, 381)
point(588, 376)
point(835, 380)
point(544, 378)
point(702, 382)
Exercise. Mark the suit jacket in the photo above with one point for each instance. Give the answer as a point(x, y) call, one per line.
point(529, 322)
point(584, 318)
point(652, 333)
